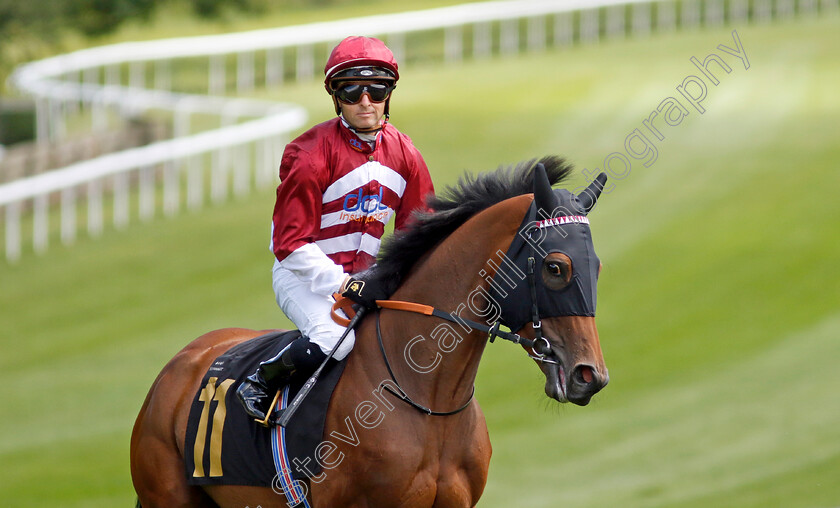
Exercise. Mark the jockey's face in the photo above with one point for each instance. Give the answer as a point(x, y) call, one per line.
point(364, 115)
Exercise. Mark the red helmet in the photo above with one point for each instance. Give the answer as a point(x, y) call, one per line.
point(360, 52)
point(360, 58)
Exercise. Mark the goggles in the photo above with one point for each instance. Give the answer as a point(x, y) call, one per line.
point(352, 93)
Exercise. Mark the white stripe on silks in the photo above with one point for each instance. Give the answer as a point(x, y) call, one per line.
point(354, 242)
point(370, 244)
point(389, 178)
point(362, 175)
point(331, 219)
point(335, 218)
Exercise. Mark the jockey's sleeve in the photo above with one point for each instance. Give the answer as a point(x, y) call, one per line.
point(311, 265)
point(296, 223)
point(418, 189)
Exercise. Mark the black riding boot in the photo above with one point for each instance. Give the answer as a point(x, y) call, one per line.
point(256, 393)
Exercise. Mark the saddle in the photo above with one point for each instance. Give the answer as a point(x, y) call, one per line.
point(225, 446)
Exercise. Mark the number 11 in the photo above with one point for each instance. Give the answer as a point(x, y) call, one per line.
point(211, 393)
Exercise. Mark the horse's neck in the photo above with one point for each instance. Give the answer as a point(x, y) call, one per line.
point(437, 358)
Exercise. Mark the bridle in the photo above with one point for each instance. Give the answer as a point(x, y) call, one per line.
point(582, 302)
point(399, 392)
point(539, 345)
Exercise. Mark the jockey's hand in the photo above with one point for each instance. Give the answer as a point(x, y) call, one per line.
point(363, 292)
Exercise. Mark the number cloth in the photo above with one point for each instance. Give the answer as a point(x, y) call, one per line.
point(225, 446)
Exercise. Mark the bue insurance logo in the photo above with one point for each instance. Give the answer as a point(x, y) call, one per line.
point(364, 207)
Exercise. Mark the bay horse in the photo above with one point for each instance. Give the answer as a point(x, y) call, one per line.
point(499, 247)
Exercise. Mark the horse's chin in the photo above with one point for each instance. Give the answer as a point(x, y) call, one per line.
point(555, 382)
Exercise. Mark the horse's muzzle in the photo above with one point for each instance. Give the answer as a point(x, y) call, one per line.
point(584, 382)
point(578, 387)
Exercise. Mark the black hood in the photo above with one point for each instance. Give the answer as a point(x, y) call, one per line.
point(556, 222)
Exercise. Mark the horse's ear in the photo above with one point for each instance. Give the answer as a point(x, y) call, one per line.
point(590, 194)
point(543, 195)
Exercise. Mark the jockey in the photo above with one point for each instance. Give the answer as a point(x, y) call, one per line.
point(341, 181)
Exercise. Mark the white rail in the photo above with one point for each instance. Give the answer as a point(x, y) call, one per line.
point(92, 78)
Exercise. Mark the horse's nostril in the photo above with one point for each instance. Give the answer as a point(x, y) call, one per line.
point(584, 374)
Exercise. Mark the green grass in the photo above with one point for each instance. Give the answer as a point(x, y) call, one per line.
point(718, 311)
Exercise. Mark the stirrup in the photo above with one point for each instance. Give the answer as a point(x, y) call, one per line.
point(266, 422)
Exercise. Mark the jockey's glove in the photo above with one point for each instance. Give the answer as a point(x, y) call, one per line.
point(364, 292)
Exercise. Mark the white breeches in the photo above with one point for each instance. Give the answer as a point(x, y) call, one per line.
point(310, 312)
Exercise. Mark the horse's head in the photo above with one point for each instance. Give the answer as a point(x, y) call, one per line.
point(547, 289)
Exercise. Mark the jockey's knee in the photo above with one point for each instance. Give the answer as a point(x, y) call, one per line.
point(327, 337)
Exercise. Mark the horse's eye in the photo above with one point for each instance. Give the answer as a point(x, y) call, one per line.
point(557, 270)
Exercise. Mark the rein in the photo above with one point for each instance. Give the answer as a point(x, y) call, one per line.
point(404, 396)
point(539, 344)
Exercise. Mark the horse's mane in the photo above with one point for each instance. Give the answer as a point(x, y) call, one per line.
point(451, 208)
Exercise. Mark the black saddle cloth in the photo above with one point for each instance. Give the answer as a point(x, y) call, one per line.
point(225, 446)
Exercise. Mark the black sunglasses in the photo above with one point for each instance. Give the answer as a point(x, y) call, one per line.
point(352, 94)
